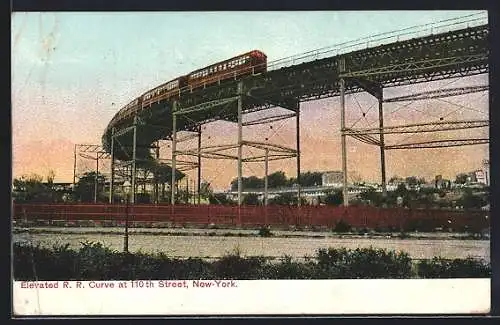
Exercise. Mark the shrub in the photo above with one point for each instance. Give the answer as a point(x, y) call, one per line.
point(93, 261)
point(457, 268)
point(234, 266)
point(363, 263)
point(342, 226)
point(265, 232)
point(289, 269)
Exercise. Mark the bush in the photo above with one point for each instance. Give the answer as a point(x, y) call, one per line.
point(288, 269)
point(457, 268)
point(93, 261)
point(265, 232)
point(234, 266)
point(363, 263)
point(342, 226)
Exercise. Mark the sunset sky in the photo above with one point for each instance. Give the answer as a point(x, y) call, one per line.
point(71, 72)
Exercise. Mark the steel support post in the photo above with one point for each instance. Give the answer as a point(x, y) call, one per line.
point(157, 193)
point(240, 148)
point(134, 158)
point(297, 127)
point(342, 132)
point(96, 180)
point(112, 167)
point(74, 168)
point(240, 142)
point(382, 145)
point(266, 173)
point(174, 148)
point(199, 166)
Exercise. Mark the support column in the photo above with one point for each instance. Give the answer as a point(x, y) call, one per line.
point(199, 166)
point(112, 177)
point(96, 178)
point(134, 158)
point(297, 127)
point(382, 144)
point(174, 148)
point(240, 142)
point(74, 168)
point(156, 190)
point(266, 173)
point(345, 191)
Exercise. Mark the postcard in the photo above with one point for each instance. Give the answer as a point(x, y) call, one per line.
point(250, 163)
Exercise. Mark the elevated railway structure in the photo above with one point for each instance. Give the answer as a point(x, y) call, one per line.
point(451, 49)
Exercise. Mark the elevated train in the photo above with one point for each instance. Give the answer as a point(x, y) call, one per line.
point(250, 63)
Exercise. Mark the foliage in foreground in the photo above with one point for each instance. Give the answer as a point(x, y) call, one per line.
point(93, 261)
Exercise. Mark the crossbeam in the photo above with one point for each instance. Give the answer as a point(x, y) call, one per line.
point(421, 127)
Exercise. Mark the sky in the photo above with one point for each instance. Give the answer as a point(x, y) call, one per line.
point(72, 71)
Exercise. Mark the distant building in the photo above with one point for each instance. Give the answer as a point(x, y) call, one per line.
point(332, 178)
point(486, 171)
point(61, 186)
point(481, 177)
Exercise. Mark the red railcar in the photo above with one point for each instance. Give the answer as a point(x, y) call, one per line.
point(167, 90)
point(250, 63)
point(253, 62)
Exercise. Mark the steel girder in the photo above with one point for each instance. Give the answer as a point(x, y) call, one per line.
point(436, 57)
point(221, 151)
point(421, 127)
point(439, 144)
point(440, 93)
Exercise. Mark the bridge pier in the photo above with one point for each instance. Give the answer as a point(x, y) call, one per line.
point(240, 148)
point(345, 192)
point(297, 127)
point(376, 90)
point(199, 165)
point(134, 158)
point(266, 173)
point(174, 153)
point(96, 178)
point(156, 185)
point(112, 167)
point(382, 143)
point(240, 142)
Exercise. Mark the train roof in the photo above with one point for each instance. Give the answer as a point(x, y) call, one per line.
point(258, 52)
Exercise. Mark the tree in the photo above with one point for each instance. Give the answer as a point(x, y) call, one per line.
point(411, 180)
point(372, 197)
point(394, 179)
point(335, 197)
point(308, 179)
point(51, 175)
point(461, 178)
point(30, 188)
point(85, 187)
point(251, 199)
point(277, 179)
point(469, 200)
point(205, 189)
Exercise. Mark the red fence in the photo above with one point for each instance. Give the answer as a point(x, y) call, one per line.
point(325, 216)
